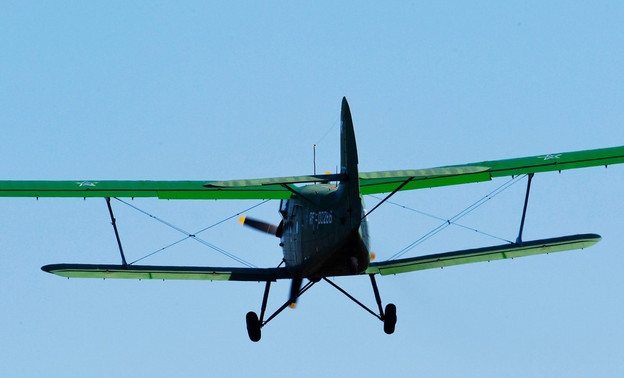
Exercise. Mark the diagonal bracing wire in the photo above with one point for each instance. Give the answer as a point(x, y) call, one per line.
point(442, 219)
point(333, 125)
point(200, 231)
point(193, 235)
point(461, 214)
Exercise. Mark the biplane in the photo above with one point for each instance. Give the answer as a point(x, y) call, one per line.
point(323, 229)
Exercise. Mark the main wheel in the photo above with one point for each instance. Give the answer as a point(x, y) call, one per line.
point(390, 319)
point(253, 326)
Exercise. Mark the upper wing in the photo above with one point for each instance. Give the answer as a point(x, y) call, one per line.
point(499, 252)
point(146, 272)
point(159, 189)
point(267, 188)
point(283, 187)
point(383, 182)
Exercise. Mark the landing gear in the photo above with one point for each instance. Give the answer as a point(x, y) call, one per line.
point(390, 319)
point(253, 326)
point(389, 316)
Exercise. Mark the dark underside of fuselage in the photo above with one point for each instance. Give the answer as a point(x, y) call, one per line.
point(349, 258)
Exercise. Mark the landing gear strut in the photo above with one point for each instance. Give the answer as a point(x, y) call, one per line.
point(255, 324)
point(389, 317)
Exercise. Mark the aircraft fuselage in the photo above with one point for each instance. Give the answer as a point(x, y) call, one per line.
point(322, 234)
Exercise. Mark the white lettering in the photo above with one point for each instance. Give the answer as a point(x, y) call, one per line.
point(321, 217)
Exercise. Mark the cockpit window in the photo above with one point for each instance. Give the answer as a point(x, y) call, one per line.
point(284, 208)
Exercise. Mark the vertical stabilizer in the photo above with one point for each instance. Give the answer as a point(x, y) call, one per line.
point(350, 186)
point(348, 149)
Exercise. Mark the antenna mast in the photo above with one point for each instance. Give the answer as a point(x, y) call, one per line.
point(314, 158)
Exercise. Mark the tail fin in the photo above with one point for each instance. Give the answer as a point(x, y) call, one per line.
point(348, 148)
point(350, 186)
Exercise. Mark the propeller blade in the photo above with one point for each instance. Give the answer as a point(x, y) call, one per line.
point(261, 226)
point(295, 287)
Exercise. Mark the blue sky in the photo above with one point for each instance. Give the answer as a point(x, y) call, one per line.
point(199, 91)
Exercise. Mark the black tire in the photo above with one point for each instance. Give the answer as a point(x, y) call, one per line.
point(390, 319)
point(253, 326)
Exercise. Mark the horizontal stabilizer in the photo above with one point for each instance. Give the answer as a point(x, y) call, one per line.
point(506, 251)
point(146, 272)
point(274, 181)
point(388, 181)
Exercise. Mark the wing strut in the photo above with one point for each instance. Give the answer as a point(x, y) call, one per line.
point(526, 202)
point(114, 223)
point(388, 196)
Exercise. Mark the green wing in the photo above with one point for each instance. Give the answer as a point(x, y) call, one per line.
point(283, 187)
point(382, 182)
point(158, 189)
point(146, 272)
point(267, 188)
point(500, 252)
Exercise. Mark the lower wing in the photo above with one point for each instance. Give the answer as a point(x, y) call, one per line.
point(440, 260)
point(500, 252)
point(146, 272)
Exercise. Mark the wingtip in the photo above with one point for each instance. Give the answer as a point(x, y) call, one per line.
point(50, 268)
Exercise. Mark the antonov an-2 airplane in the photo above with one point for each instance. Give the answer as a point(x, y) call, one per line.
point(323, 230)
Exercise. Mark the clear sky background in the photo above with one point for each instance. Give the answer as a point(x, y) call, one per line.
point(202, 91)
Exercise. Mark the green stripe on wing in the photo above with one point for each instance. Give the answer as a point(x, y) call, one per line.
point(136, 189)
